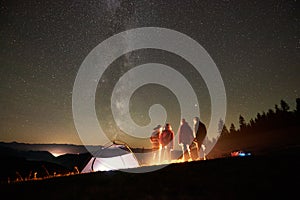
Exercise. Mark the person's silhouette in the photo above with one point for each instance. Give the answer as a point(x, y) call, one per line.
point(200, 133)
point(185, 138)
point(166, 140)
point(154, 139)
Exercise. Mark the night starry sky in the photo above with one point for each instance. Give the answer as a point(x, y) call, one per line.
point(255, 45)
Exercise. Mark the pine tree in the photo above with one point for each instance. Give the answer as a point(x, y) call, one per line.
point(277, 110)
point(220, 126)
point(298, 105)
point(242, 123)
point(222, 129)
point(225, 131)
point(284, 106)
point(252, 123)
point(232, 129)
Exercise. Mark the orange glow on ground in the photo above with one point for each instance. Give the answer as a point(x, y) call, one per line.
point(170, 162)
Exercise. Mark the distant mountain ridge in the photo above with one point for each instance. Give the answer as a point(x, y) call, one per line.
point(23, 160)
point(54, 149)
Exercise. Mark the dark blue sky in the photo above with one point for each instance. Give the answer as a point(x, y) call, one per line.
point(255, 45)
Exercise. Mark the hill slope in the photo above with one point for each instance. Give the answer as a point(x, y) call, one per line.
point(256, 177)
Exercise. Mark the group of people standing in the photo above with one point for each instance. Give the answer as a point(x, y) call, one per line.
point(190, 139)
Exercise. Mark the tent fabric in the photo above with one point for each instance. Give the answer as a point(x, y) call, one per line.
point(114, 157)
point(113, 163)
point(111, 151)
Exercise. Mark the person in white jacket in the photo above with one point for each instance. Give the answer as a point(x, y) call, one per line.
point(185, 138)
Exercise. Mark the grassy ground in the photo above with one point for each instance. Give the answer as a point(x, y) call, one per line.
point(255, 177)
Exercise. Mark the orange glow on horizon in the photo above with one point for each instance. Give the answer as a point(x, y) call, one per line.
point(56, 153)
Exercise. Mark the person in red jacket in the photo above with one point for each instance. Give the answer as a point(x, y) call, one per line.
point(166, 141)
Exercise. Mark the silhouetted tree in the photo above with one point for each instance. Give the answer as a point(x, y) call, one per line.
point(232, 129)
point(258, 117)
point(252, 123)
point(223, 129)
point(270, 113)
point(242, 123)
point(277, 110)
point(298, 105)
point(220, 126)
point(263, 115)
point(284, 106)
point(280, 119)
point(297, 112)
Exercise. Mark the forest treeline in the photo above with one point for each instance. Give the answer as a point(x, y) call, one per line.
point(278, 118)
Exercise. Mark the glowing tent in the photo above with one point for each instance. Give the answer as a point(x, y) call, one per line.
point(113, 157)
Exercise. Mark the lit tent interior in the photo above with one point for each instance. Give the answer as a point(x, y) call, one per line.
point(112, 157)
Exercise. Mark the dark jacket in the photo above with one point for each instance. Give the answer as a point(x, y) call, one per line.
point(200, 133)
point(185, 134)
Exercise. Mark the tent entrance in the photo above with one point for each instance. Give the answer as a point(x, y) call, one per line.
point(113, 157)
